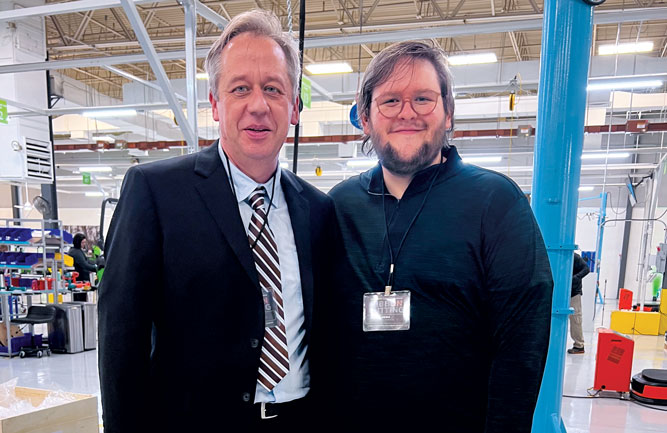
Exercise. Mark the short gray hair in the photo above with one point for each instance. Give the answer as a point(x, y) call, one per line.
point(383, 65)
point(260, 23)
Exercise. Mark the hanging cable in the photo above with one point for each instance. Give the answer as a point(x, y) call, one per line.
point(302, 35)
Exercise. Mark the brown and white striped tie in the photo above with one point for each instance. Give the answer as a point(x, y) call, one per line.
point(274, 360)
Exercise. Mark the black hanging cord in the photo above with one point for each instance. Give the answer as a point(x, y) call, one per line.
point(302, 36)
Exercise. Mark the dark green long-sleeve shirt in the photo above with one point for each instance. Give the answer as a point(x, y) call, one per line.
point(476, 265)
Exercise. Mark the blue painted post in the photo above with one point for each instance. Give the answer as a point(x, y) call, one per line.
point(566, 45)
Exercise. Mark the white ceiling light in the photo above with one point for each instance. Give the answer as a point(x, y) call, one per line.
point(95, 169)
point(610, 155)
point(472, 159)
point(627, 48)
point(121, 112)
point(472, 59)
point(94, 194)
point(586, 188)
point(620, 85)
point(329, 68)
point(202, 76)
point(361, 163)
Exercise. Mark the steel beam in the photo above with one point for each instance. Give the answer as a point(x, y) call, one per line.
point(211, 15)
point(139, 80)
point(63, 8)
point(190, 7)
point(162, 79)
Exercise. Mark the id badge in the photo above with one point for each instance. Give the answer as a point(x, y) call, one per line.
point(386, 312)
point(270, 316)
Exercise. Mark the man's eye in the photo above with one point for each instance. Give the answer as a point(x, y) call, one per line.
point(272, 90)
point(389, 101)
point(423, 99)
point(240, 90)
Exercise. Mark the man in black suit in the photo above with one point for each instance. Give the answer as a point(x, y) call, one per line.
point(214, 261)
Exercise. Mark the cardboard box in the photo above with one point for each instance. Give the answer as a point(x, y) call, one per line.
point(14, 331)
point(78, 416)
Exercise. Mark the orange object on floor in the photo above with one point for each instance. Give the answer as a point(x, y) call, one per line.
point(613, 362)
point(625, 299)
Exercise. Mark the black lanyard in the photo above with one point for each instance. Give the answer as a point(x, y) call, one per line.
point(273, 190)
point(393, 258)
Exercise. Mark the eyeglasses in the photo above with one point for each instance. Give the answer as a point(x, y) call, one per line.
point(423, 102)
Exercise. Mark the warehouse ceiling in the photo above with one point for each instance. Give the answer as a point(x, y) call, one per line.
point(107, 32)
point(335, 32)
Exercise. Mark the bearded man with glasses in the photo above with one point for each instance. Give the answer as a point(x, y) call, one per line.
point(443, 305)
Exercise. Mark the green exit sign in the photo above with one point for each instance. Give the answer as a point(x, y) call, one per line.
point(3, 112)
point(305, 92)
point(86, 178)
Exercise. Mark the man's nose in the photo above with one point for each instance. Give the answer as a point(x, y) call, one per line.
point(257, 103)
point(407, 112)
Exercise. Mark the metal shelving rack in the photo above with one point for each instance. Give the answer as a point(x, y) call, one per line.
point(44, 245)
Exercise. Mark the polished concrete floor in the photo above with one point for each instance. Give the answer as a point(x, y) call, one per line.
point(78, 373)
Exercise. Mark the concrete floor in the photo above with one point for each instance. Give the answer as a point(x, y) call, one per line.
point(78, 373)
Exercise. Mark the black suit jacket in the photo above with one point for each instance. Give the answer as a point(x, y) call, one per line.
point(181, 319)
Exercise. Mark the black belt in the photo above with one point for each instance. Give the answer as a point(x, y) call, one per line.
point(275, 410)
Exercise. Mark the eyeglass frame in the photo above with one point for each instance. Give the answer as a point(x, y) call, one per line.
point(439, 95)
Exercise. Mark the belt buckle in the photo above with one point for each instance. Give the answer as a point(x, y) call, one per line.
point(263, 412)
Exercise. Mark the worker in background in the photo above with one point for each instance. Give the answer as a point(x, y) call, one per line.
point(580, 269)
point(215, 260)
point(81, 263)
point(444, 317)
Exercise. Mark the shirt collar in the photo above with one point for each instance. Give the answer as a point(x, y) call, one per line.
point(372, 179)
point(244, 185)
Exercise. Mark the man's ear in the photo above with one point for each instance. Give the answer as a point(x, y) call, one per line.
point(365, 122)
point(214, 107)
point(294, 118)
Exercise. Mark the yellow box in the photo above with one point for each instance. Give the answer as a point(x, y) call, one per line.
point(49, 298)
point(623, 321)
point(647, 323)
point(68, 260)
point(78, 416)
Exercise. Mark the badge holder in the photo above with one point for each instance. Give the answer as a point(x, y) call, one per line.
point(386, 311)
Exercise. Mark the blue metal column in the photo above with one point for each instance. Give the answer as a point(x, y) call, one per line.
point(598, 251)
point(566, 45)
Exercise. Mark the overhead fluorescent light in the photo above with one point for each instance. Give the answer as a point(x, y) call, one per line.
point(329, 68)
point(610, 155)
point(620, 85)
point(361, 163)
point(95, 169)
point(627, 48)
point(470, 159)
point(121, 112)
point(472, 59)
point(586, 188)
point(202, 76)
point(94, 194)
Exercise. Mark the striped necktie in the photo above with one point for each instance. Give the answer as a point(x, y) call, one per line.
point(274, 360)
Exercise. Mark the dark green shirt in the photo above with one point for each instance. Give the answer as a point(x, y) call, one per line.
point(480, 282)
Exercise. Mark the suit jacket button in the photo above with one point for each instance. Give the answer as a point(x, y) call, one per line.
point(254, 343)
point(246, 397)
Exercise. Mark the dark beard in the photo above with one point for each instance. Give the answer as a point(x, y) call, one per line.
point(424, 157)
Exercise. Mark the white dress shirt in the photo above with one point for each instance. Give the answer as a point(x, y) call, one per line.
point(296, 383)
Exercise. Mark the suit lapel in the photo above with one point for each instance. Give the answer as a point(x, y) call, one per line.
point(217, 194)
point(299, 212)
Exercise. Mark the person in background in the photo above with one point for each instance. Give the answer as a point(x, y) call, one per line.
point(444, 317)
point(81, 263)
point(579, 270)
